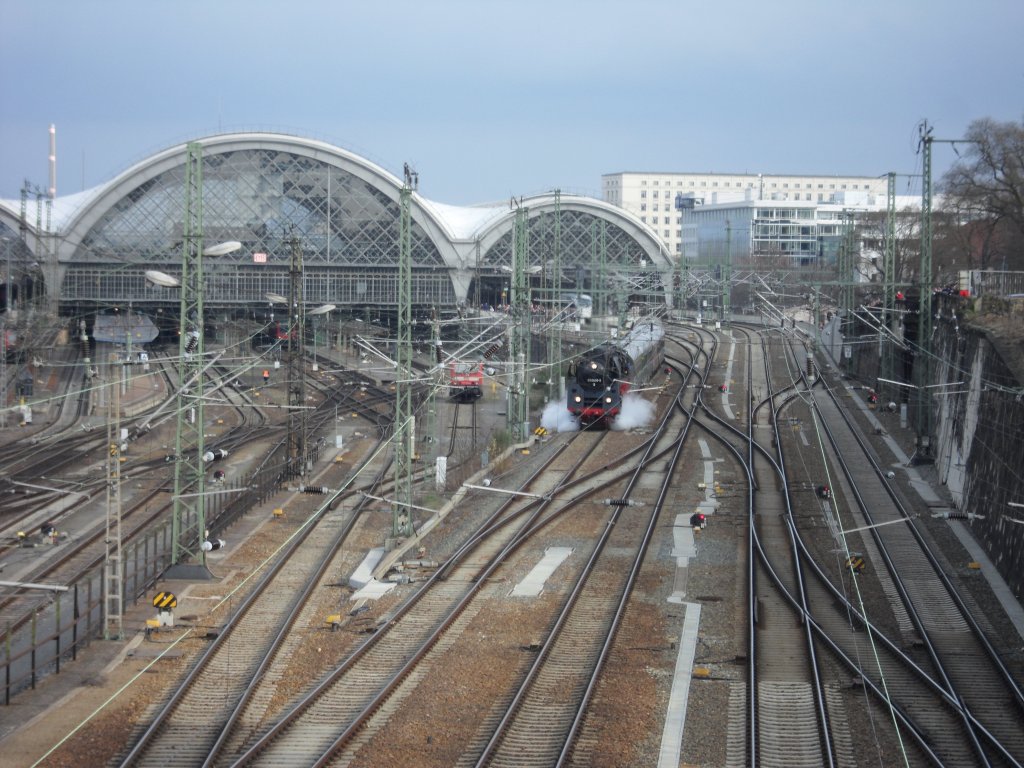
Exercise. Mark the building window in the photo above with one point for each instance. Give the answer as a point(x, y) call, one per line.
point(643, 219)
point(643, 206)
point(655, 206)
point(666, 234)
point(654, 220)
point(655, 193)
point(643, 194)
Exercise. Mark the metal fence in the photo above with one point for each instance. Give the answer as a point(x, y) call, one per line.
point(72, 619)
point(989, 283)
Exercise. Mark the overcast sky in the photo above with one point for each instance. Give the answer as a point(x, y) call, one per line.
point(489, 99)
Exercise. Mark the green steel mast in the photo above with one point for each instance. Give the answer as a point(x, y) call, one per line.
point(188, 527)
point(555, 381)
point(924, 320)
point(401, 515)
point(726, 308)
point(297, 419)
point(519, 332)
point(889, 275)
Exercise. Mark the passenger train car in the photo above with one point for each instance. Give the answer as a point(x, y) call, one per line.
point(598, 380)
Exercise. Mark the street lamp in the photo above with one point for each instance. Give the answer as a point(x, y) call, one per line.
point(222, 249)
point(162, 279)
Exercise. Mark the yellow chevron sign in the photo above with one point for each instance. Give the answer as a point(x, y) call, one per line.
point(165, 600)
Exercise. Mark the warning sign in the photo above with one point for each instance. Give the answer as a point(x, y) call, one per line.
point(165, 600)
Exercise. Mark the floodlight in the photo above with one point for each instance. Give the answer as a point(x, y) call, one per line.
point(222, 249)
point(162, 279)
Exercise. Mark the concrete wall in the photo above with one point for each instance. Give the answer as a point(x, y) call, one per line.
point(978, 424)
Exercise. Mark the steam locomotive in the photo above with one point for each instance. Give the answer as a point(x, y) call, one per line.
point(598, 380)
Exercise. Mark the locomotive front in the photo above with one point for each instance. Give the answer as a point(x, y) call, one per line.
point(595, 384)
point(599, 380)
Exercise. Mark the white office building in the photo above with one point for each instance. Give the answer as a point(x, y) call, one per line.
point(700, 214)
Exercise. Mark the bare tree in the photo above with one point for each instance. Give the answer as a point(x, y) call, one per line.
point(871, 231)
point(984, 194)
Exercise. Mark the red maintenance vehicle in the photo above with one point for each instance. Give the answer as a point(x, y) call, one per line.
point(465, 381)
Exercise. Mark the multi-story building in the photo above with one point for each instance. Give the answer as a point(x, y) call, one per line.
point(675, 205)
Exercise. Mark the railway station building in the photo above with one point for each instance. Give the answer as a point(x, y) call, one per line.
point(266, 190)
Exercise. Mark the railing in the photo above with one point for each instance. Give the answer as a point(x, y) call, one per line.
point(73, 619)
point(991, 283)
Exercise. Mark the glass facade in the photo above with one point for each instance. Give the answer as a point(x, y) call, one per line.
point(347, 227)
point(267, 191)
point(582, 235)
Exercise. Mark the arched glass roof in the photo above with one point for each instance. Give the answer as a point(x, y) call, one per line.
point(263, 190)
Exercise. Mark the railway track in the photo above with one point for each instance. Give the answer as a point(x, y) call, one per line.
point(410, 633)
point(918, 693)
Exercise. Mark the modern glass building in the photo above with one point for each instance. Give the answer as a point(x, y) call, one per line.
point(264, 189)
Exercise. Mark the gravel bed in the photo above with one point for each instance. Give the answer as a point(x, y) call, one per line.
point(469, 679)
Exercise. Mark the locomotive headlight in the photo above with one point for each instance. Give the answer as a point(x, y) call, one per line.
point(593, 366)
point(608, 400)
point(578, 399)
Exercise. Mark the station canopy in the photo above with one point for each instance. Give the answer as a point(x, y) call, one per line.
point(266, 190)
